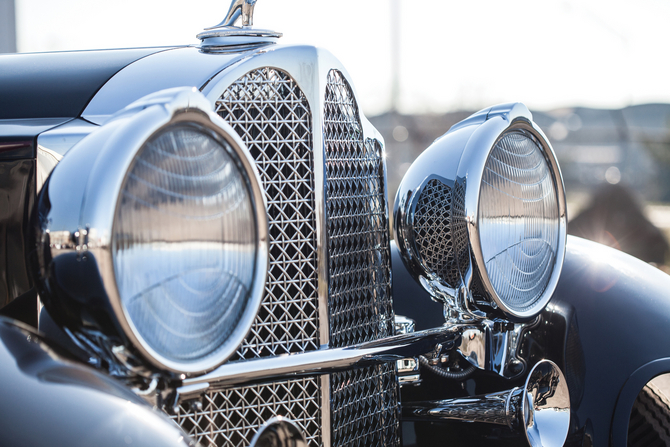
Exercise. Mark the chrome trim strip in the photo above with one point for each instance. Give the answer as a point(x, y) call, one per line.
point(322, 260)
point(326, 424)
point(329, 360)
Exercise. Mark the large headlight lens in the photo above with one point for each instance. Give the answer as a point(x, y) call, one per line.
point(518, 220)
point(184, 244)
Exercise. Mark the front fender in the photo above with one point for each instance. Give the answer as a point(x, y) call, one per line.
point(48, 400)
point(604, 326)
point(615, 310)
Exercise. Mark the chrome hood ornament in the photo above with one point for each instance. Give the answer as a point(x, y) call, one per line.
point(245, 8)
point(227, 34)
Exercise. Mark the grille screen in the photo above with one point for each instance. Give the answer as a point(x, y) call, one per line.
point(360, 306)
point(233, 416)
point(271, 115)
point(440, 232)
point(364, 406)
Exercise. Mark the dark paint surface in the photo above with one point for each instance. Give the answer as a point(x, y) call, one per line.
point(17, 190)
point(17, 137)
point(606, 327)
point(50, 85)
point(48, 400)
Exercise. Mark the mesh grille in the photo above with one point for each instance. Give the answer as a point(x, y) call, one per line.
point(360, 306)
point(271, 115)
point(439, 232)
point(232, 417)
point(364, 406)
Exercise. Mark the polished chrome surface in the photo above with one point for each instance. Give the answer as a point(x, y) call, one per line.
point(45, 163)
point(279, 432)
point(225, 32)
point(53, 144)
point(243, 8)
point(496, 408)
point(493, 346)
point(408, 371)
point(86, 209)
point(358, 234)
point(364, 406)
point(547, 403)
point(443, 200)
point(541, 409)
point(271, 114)
point(184, 243)
point(403, 325)
point(308, 68)
point(324, 361)
point(234, 416)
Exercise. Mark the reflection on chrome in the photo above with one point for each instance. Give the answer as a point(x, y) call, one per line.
point(185, 220)
point(480, 217)
point(518, 220)
point(279, 432)
point(541, 409)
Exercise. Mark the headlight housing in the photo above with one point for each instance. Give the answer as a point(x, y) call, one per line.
point(153, 231)
point(480, 216)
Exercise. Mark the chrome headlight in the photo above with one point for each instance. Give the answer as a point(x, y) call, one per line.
point(171, 220)
point(480, 216)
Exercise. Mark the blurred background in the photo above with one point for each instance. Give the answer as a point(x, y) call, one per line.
point(595, 74)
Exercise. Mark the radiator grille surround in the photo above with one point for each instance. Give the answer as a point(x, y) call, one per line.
point(267, 108)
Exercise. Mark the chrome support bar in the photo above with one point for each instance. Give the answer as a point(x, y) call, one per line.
point(541, 409)
point(325, 361)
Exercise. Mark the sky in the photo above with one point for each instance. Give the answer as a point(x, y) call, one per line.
point(453, 55)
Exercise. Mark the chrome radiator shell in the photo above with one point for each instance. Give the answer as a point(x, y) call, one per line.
point(323, 171)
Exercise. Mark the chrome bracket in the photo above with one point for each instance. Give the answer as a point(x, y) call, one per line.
point(493, 346)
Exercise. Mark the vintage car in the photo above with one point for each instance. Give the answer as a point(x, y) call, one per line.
point(197, 249)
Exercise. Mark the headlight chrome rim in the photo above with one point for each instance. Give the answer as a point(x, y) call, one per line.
point(456, 163)
point(104, 162)
point(220, 354)
point(472, 166)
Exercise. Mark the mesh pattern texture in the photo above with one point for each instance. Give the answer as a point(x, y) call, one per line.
point(360, 306)
point(440, 232)
point(271, 114)
point(233, 416)
point(364, 407)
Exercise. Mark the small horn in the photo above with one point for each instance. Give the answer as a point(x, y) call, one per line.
point(541, 409)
